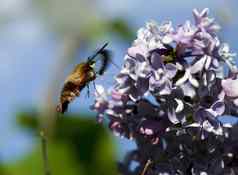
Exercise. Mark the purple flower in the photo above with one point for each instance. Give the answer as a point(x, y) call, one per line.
point(188, 77)
point(184, 34)
point(101, 103)
point(204, 22)
point(230, 87)
point(171, 93)
point(161, 75)
point(207, 118)
point(153, 129)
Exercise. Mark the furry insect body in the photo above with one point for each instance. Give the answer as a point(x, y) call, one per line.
point(81, 76)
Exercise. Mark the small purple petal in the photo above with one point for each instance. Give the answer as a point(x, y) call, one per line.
point(208, 62)
point(218, 107)
point(171, 70)
point(230, 87)
point(156, 61)
point(188, 90)
point(152, 127)
point(198, 65)
point(138, 51)
point(165, 89)
point(142, 85)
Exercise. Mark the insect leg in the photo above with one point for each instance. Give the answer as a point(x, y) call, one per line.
point(88, 90)
point(94, 85)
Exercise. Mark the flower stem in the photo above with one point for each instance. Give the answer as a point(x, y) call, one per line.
point(45, 153)
point(146, 166)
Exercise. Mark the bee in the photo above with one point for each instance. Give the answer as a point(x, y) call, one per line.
point(81, 76)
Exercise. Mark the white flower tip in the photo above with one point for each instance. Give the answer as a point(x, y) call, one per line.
point(180, 105)
point(195, 12)
point(99, 89)
point(203, 13)
point(167, 39)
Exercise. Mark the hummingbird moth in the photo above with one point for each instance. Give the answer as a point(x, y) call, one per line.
point(81, 76)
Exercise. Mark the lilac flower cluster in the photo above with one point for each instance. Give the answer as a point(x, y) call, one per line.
point(173, 82)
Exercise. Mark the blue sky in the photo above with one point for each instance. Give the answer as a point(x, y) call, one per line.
point(28, 51)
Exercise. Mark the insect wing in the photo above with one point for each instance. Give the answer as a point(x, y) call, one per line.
point(105, 61)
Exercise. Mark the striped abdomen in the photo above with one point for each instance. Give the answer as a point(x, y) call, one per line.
point(68, 94)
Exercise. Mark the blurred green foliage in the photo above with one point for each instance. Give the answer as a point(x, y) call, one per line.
point(77, 146)
point(121, 28)
point(82, 19)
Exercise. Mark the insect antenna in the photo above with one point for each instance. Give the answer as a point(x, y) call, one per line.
point(91, 58)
